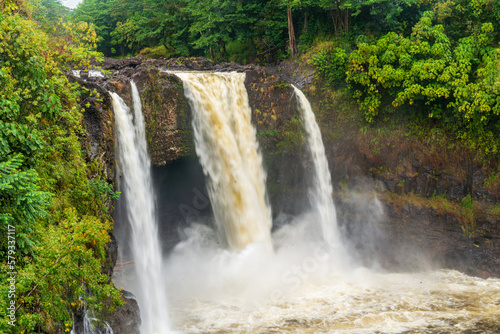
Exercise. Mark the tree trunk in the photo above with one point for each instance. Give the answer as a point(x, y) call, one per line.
point(291, 34)
point(340, 18)
point(304, 29)
point(223, 48)
point(346, 20)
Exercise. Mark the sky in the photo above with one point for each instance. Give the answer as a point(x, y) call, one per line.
point(71, 3)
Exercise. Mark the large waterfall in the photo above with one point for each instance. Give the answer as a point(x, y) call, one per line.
point(140, 202)
point(299, 287)
point(228, 151)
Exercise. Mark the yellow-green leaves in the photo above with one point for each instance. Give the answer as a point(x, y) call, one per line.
point(457, 82)
point(330, 63)
point(43, 179)
point(75, 42)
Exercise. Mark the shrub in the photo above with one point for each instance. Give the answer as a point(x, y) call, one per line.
point(331, 65)
point(157, 52)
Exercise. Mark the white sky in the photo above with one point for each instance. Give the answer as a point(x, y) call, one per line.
point(71, 3)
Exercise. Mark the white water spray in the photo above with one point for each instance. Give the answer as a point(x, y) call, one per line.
point(301, 288)
point(141, 212)
point(229, 154)
point(88, 326)
point(321, 189)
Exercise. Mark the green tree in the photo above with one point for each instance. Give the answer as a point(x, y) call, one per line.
point(164, 23)
point(60, 224)
point(21, 204)
point(48, 12)
point(455, 84)
point(124, 35)
point(100, 14)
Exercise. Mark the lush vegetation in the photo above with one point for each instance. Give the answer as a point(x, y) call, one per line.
point(53, 200)
point(244, 31)
point(434, 63)
point(432, 58)
point(440, 71)
point(454, 82)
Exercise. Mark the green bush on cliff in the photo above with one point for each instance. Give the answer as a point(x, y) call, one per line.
point(454, 82)
point(156, 52)
point(330, 64)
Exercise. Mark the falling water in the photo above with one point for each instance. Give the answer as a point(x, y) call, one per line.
point(299, 288)
point(89, 327)
point(229, 154)
point(321, 189)
point(92, 325)
point(140, 203)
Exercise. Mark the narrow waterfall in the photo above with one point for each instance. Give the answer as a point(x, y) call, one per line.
point(229, 154)
point(141, 212)
point(88, 326)
point(92, 325)
point(321, 190)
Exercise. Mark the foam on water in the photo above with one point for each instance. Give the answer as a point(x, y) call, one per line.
point(302, 289)
point(307, 285)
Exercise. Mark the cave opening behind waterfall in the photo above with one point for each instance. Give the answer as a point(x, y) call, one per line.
point(182, 199)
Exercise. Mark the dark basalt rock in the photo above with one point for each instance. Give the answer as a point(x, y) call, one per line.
point(111, 64)
point(126, 319)
point(167, 112)
point(413, 238)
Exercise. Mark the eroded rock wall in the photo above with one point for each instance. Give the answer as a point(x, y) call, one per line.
point(359, 158)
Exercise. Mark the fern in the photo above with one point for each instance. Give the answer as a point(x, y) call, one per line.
point(21, 201)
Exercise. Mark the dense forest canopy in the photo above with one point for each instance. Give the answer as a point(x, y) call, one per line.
point(435, 62)
point(433, 58)
point(243, 31)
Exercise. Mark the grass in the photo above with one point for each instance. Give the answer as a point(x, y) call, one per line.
point(466, 212)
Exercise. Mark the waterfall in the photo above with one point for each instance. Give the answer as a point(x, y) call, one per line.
point(321, 190)
point(226, 145)
point(141, 212)
point(301, 287)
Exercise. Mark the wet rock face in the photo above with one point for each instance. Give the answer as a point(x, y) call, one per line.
point(440, 238)
point(406, 230)
point(99, 145)
point(167, 112)
point(413, 236)
point(126, 319)
point(98, 121)
point(427, 181)
point(167, 115)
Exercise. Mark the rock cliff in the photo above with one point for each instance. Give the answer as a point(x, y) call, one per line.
point(438, 202)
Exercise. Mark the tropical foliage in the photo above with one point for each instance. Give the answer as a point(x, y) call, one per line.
point(61, 228)
point(454, 82)
point(431, 61)
point(443, 68)
point(253, 30)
